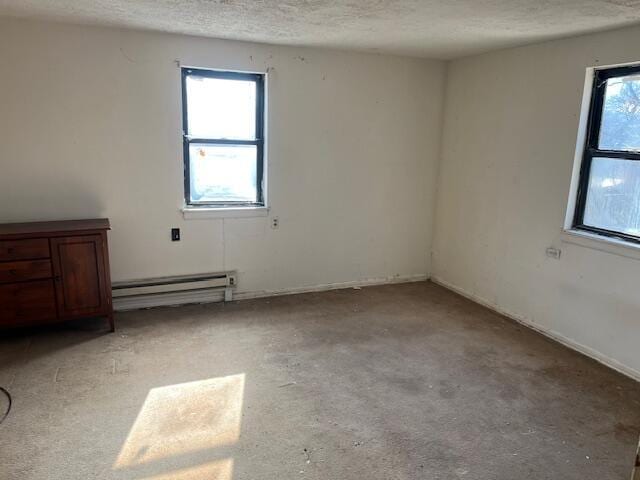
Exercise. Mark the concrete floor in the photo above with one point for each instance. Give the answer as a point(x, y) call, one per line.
point(395, 382)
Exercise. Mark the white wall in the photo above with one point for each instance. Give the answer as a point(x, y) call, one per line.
point(511, 120)
point(90, 126)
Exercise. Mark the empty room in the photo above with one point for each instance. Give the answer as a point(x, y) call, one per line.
point(372, 240)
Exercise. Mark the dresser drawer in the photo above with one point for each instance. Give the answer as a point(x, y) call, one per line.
point(25, 270)
point(28, 302)
point(28, 249)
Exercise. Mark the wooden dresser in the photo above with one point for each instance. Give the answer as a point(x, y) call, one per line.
point(54, 271)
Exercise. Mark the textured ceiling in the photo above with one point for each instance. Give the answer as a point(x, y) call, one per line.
point(426, 28)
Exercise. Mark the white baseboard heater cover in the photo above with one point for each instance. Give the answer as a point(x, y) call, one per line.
point(173, 290)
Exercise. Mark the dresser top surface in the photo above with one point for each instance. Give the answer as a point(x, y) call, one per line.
point(44, 228)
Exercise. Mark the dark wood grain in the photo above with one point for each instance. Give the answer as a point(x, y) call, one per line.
point(78, 275)
point(54, 271)
point(28, 249)
point(27, 303)
point(11, 272)
point(53, 229)
point(107, 280)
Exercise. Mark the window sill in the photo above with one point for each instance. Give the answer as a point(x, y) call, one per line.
point(200, 213)
point(599, 242)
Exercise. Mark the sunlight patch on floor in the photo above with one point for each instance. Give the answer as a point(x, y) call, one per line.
point(220, 470)
point(180, 419)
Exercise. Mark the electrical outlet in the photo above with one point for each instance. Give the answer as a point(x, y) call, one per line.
point(232, 280)
point(553, 252)
point(175, 234)
point(275, 222)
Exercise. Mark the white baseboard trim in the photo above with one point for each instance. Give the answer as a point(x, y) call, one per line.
point(558, 337)
point(332, 286)
point(209, 296)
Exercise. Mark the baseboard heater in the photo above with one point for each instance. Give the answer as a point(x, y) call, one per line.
point(179, 290)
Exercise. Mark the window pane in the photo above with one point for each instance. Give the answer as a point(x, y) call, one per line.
point(620, 127)
point(221, 108)
point(223, 173)
point(613, 198)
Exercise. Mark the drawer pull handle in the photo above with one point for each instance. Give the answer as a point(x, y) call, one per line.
point(13, 272)
point(10, 250)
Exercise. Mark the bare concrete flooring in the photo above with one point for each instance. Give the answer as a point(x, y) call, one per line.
point(396, 382)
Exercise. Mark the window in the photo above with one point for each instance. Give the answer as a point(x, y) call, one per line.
point(222, 115)
point(608, 199)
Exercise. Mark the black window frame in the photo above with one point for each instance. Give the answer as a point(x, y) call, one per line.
point(258, 141)
point(591, 149)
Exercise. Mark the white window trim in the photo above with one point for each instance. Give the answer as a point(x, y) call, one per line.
point(579, 237)
point(202, 213)
point(598, 242)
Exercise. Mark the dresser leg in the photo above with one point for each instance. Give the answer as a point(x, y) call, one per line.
point(112, 323)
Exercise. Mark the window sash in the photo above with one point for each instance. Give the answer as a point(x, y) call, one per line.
point(258, 79)
point(591, 149)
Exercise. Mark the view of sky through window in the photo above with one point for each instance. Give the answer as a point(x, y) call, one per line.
point(222, 109)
